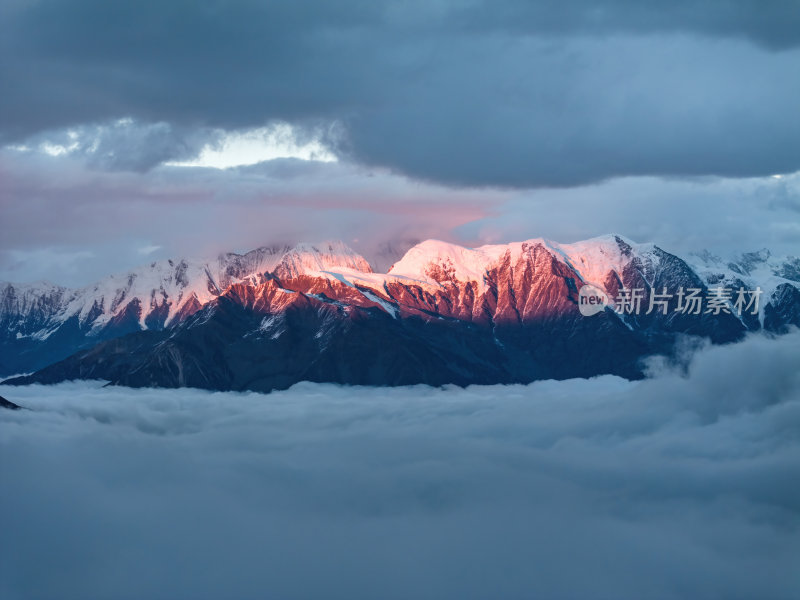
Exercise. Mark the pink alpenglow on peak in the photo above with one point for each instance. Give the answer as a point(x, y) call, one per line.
point(518, 291)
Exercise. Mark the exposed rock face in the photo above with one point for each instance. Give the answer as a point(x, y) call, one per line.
point(443, 314)
point(783, 309)
point(7, 404)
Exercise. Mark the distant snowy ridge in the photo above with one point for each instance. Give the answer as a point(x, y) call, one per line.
point(519, 282)
point(436, 262)
point(758, 268)
point(172, 284)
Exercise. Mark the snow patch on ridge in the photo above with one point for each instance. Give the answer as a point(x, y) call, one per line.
point(387, 306)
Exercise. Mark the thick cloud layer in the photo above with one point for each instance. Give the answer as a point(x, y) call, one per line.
point(66, 222)
point(673, 487)
point(509, 94)
point(680, 215)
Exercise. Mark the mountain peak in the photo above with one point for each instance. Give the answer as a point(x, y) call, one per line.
point(511, 287)
point(438, 261)
point(308, 259)
point(435, 259)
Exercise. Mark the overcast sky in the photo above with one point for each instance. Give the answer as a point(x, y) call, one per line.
point(139, 130)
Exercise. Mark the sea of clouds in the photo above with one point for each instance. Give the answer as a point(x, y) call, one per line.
point(684, 485)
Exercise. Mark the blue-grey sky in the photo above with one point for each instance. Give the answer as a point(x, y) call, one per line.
point(381, 121)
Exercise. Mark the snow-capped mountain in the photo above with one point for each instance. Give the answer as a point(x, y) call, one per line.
point(314, 260)
point(778, 278)
point(443, 313)
point(750, 268)
point(42, 322)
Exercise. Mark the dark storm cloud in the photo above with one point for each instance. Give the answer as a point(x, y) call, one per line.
point(508, 94)
point(774, 24)
point(674, 487)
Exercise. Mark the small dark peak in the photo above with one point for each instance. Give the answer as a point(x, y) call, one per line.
point(95, 311)
point(749, 261)
point(790, 269)
point(624, 246)
point(8, 404)
point(735, 268)
point(157, 317)
point(662, 254)
point(783, 309)
point(127, 320)
point(759, 256)
point(190, 307)
point(180, 273)
point(707, 256)
point(444, 273)
point(750, 320)
point(535, 248)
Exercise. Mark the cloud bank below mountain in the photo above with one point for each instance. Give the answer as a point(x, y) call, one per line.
point(678, 486)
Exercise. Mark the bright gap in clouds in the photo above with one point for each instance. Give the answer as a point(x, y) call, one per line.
point(257, 145)
point(127, 144)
